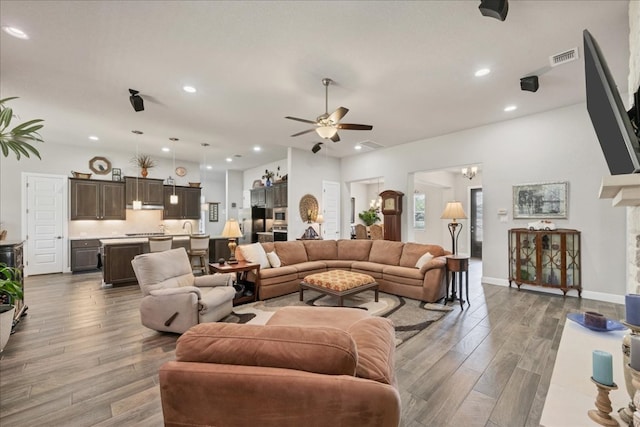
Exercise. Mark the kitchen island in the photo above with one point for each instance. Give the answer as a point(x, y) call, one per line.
point(117, 253)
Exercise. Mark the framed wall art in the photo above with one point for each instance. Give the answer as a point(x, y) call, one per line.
point(116, 174)
point(213, 212)
point(543, 200)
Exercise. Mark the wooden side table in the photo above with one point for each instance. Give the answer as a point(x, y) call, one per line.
point(241, 268)
point(456, 266)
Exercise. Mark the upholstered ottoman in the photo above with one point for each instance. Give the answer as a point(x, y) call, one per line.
point(339, 283)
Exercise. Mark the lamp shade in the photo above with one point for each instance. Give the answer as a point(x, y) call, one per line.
point(326, 132)
point(319, 219)
point(453, 211)
point(231, 229)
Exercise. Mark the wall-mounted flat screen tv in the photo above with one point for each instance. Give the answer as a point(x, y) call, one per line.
point(610, 120)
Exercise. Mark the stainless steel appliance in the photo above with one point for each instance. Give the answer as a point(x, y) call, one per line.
point(280, 217)
point(279, 233)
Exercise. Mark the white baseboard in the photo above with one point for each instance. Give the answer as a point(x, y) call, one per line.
point(598, 296)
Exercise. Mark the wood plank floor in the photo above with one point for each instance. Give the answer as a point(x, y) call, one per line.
point(81, 358)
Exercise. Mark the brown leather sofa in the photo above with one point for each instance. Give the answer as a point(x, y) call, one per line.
point(391, 264)
point(308, 366)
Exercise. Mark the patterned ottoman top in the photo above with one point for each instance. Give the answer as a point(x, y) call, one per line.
point(338, 280)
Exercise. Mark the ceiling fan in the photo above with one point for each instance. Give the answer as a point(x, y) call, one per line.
point(327, 125)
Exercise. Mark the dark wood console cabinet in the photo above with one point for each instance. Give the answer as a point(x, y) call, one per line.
point(11, 254)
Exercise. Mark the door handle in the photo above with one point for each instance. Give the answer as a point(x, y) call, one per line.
point(58, 237)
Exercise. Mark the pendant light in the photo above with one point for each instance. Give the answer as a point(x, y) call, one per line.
point(137, 203)
point(173, 199)
point(204, 206)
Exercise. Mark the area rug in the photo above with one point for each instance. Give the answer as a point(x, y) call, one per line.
point(409, 316)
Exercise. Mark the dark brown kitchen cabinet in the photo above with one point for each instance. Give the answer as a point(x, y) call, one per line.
point(149, 191)
point(94, 199)
point(117, 269)
point(84, 254)
point(188, 206)
point(280, 194)
point(259, 197)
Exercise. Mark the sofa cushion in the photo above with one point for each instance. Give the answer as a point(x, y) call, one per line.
point(338, 263)
point(386, 252)
point(321, 249)
point(335, 317)
point(425, 258)
point(357, 250)
point(278, 272)
point(366, 267)
point(375, 342)
point(268, 246)
point(322, 350)
point(291, 252)
point(413, 251)
point(403, 275)
point(311, 267)
point(274, 260)
point(255, 253)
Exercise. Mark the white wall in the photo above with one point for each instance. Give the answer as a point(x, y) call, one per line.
point(558, 145)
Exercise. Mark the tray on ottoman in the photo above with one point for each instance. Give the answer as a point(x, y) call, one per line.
point(339, 283)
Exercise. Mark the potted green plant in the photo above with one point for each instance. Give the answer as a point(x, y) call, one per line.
point(144, 162)
point(19, 138)
point(369, 217)
point(10, 291)
point(268, 175)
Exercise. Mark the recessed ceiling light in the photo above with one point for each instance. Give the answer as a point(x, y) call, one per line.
point(166, 149)
point(137, 132)
point(229, 159)
point(94, 138)
point(257, 148)
point(189, 89)
point(16, 32)
point(209, 167)
point(482, 72)
point(510, 108)
point(358, 147)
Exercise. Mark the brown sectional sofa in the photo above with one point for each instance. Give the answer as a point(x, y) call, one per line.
point(392, 264)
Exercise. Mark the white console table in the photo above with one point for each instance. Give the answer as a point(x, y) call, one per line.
point(571, 393)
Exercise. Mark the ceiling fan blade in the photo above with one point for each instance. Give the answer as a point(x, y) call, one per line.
point(338, 114)
point(301, 120)
point(335, 138)
point(303, 132)
point(353, 126)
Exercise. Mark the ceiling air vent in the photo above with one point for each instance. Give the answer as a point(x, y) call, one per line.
point(370, 144)
point(564, 57)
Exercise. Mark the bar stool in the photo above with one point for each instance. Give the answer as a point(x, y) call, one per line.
point(199, 250)
point(160, 243)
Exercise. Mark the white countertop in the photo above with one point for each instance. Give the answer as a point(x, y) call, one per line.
point(143, 239)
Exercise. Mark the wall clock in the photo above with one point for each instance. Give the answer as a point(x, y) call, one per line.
point(100, 165)
point(180, 171)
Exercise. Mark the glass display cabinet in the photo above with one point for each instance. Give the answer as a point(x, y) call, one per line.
point(549, 258)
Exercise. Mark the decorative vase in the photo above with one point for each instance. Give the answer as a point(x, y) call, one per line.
point(144, 172)
point(268, 182)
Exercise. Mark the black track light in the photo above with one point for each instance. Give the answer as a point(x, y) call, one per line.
point(494, 8)
point(317, 147)
point(136, 100)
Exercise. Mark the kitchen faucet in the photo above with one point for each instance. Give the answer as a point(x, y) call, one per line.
point(184, 225)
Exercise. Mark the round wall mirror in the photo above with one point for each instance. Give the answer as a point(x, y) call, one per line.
point(308, 208)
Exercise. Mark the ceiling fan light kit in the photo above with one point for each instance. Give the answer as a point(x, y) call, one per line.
point(327, 125)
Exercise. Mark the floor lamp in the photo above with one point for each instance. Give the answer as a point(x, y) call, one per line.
point(454, 211)
point(232, 231)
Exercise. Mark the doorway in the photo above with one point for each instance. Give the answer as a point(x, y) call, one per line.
point(475, 222)
point(44, 220)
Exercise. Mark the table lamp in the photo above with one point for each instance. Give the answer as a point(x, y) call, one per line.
point(320, 220)
point(232, 232)
point(454, 211)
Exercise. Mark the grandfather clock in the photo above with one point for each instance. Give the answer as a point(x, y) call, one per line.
point(392, 211)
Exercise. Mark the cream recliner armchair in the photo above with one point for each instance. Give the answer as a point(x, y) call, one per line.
point(174, 299)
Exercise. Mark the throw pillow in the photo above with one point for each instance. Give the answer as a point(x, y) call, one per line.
point(273, 259)
point(255, 253)
point(424, 259)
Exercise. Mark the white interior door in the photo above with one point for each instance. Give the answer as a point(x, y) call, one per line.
point(45, 213)
point(331, 210)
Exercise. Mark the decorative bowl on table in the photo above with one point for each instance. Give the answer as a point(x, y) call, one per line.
point(194, 184)
point(81, 175)
point(610, 325)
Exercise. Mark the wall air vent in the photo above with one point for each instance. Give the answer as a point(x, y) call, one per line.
point(563, 57)
point(371, 145)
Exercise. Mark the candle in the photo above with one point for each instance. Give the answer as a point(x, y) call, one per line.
point(632, 304)
point(635, 353)
point(603, 367)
